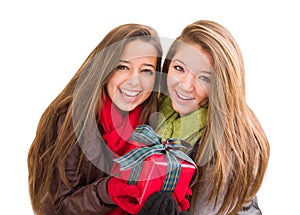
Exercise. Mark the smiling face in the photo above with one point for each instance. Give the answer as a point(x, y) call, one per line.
point(133, 79)
point(189, 78)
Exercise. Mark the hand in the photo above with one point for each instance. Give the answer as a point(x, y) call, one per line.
point(160, 203)
point(124, 195)
point(185, 204)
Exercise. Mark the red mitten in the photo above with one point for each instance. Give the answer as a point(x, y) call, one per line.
point(185, 204)
point(124, 195)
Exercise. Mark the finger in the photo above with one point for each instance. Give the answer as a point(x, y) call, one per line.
point(133, 191)
point(127, 190)
point(189, 192)
point(134, 209)
point(129, 204)
point(185, 204)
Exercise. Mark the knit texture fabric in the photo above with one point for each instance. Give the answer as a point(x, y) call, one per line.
point(189, 127)
point(161, 203)
point(117, 126)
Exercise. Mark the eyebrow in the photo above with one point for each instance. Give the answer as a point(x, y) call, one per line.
point(144, 64)
point(180, 61)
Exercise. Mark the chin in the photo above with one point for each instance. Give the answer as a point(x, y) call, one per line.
point(126, 108)
point(182, 111)
point(178, 110)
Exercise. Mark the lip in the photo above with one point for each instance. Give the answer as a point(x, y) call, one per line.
point(129, 95)
point(183, 97)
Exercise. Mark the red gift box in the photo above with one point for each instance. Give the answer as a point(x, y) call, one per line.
point(152, 176)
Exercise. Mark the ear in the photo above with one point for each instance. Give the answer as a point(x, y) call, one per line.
point(204, 102)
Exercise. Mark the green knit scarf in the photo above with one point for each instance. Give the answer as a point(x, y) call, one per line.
point(189, 127)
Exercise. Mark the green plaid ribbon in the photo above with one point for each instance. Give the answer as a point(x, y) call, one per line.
point(154, 145)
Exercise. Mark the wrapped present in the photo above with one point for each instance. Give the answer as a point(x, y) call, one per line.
point(157, 165)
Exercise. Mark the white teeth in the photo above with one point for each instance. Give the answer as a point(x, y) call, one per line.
point(129, 93)
point(183, 97)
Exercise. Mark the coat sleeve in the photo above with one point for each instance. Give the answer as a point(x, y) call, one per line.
point(203, 206)
point(88, 194)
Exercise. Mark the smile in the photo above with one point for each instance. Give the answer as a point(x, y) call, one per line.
point(183, 97)
point(130, 93)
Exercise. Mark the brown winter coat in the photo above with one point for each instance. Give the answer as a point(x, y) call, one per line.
point(88, 194)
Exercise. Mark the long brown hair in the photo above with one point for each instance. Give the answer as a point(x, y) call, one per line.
point(233, 153)
point(84, 93)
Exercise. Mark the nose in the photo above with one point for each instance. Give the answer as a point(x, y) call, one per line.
point(187, 81)
point(133, 78)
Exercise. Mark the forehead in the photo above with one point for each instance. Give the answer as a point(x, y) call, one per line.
point(137, 49)
point(194, 57)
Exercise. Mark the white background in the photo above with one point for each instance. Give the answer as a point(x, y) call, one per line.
point(43, 43)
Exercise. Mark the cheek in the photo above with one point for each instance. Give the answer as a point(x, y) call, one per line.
point(117, 80)
point(112, 80)
point(171, 80)
point(146, 95)
point(112, 85)
point(109, 85)
point(148, 83)
point(201, 94)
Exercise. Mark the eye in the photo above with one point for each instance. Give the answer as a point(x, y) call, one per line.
point(148, 71)
point(178, 68)
point(122, 67)
point(204, 78)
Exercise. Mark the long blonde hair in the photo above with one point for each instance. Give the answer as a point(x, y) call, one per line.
point(234, 151)
point(83, 93)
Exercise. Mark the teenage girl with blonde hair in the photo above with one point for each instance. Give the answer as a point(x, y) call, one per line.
point(205, 103)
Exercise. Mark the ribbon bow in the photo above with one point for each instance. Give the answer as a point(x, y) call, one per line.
point(170, 148)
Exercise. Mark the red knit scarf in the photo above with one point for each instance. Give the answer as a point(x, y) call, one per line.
point(118, 126)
